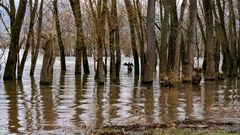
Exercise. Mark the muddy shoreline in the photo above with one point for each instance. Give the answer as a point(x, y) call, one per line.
point(191, 125)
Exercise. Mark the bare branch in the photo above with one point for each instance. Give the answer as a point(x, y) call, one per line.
point(5, 8)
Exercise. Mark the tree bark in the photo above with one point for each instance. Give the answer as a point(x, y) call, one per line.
point(48, 60)
point(59, 36)
point(209, 52)
point(233, 38)
point(189, 62)
point(131, 20)
point(81, 51)
point(164, 41)
point(140, 33)
point(149, 68)
point(238, 65)
point(176, 66)
point(16, 20)
point(173, 35)
point(113, 26)
point(227, 57)
point(29, 37)
point(39, 31)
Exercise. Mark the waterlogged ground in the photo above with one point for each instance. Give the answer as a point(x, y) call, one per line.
point(73, 103)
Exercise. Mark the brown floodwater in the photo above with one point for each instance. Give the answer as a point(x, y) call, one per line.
point(74, 102)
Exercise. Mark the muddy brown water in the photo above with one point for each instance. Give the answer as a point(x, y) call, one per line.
point(73, 102)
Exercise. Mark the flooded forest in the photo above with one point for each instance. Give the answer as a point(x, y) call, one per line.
point(119, 66)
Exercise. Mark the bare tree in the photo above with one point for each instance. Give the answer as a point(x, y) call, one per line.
point(188, 61)
point(131, 19)
point(59, 35)
point(33, 11)
point(151, 42)
point(209, 52)
point(39, 31)
point(80, 44)
point(16, 21)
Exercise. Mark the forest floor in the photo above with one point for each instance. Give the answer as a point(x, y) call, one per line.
point(187, 127)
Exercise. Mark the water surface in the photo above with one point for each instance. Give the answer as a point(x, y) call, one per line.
point(73, 102)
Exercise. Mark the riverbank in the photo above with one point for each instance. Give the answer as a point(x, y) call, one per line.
point(187, 127)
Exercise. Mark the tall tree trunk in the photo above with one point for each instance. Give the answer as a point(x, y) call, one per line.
point(233, 37)
point(164, 41)
point(151, 42)
point(59, 36)
point(188, 63)
point(75, 5)
point(117, 45)
point(209, 52)
point(16, 20)
point(238, 40)
point(173, 35)
point(39, 31)
point(113, 26)
point(227, 58)
point(139, 26)
point(48, 60)
point(176, 66)
point(131, 20)
point(29, 38)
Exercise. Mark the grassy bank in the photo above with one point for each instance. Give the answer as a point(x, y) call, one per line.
point(173, 128)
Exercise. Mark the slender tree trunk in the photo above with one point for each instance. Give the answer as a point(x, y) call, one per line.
point(140, 33)
point(227, 58)
point(238, 40)
point(100, 20)
point(233, 38)
point(48, 60)
point(16, 20)
point(117, 46)
point(176, 66)
point(131, 19)
point(188, 63)
point(59, 36)
point(151, 42)
point(164, 41)
point(39, 31)
point(113, 26)
point(29, 37)
point(173, 35)
point(75, 5)
point(209, 52)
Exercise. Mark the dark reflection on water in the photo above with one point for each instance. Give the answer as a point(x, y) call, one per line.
point(11, 88)
point(73, 101)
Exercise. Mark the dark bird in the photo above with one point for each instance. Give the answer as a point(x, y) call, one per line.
point(129, 66)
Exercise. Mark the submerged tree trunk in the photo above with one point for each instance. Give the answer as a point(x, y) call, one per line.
point(173, 35)
point(39, 31)
point(209, 53)
point(164, 41)
point(233, 38)
point(189, 62)
point(29, 38)
point(176, 67)
point(139, 26)
point(16, 20)
point(59, 36)
point(48, 61)
point(151, 42)
point(227, 58)
point(238, 64)
point(80, 44)
point(131, 19)
point(114, 42)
